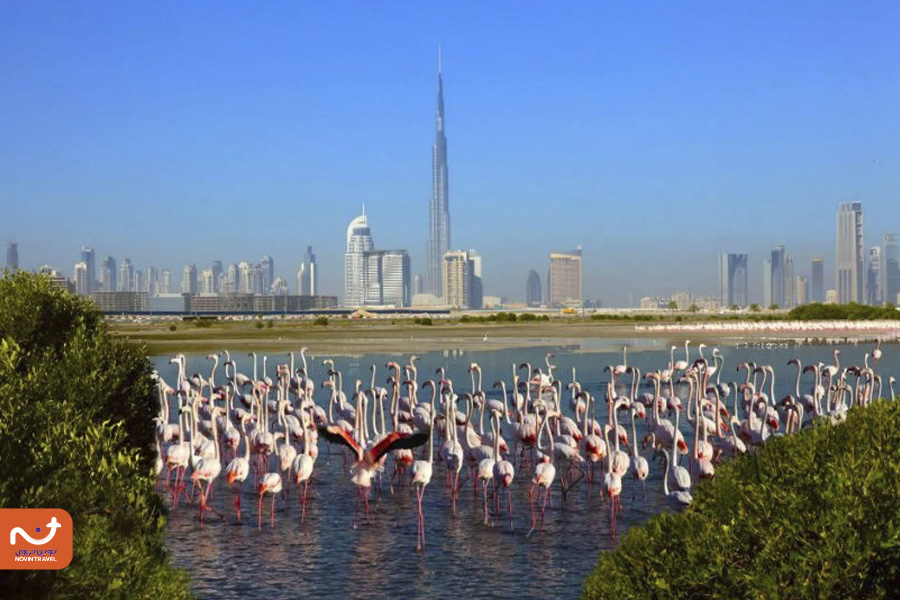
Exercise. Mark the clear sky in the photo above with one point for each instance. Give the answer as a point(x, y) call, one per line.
point(656, 134)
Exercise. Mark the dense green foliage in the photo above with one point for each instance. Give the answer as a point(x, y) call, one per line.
point(423, 321)
point(77, 433)
point(813, 515)
point(624, 317)
point(503, 317)
point(848, 312)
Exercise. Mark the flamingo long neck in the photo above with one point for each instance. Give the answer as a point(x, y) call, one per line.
point(212, 374)
point(666, 474)
point(614, 420)
point(634, 452)
point(675, 437)
point(496, 432)
point(797, 381)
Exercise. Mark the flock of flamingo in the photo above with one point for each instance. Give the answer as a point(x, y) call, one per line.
point(267, 430)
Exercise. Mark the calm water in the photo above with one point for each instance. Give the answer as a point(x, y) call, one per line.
point(326, 558)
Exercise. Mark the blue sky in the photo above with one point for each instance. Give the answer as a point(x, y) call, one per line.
point(656, 134)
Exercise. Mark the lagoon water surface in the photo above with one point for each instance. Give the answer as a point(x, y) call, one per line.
point(326, 558)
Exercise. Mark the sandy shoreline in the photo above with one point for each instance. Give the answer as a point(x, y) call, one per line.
point(345, 337)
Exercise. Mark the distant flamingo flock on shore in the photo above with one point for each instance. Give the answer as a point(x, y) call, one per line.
point(254, 430)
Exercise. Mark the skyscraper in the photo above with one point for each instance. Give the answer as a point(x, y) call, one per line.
point(126, 277)
point(891, 261)
point(359, 241)
point(267, 274)
point(12, 256)
point(476, 294)
point(165, 282)
point(817, 285)
point(457, 273)
point(849, 252)
point(533, 296)
point(87, 257)
point(108, 275)
point(395, 277)
point(777, 274)
point(733, 280)
point(139, 284)
point(207, 282)
point(81, 279)
point(789, 297)
point(802, 290)
point(874, 296)
point(217, 275)
point(231, 280)
point(564, 278)
point(767, 282)
point(308, 275)
point(152, 281)
point(439, 210)
point(189, 279)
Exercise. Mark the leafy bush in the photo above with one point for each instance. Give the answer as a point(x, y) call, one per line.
point(259, 325)
point(321, 321)
point(813, 515)
point(423, 321)
point(78, 408)
point(204, 322)
point(835, 312)
point(173, 327)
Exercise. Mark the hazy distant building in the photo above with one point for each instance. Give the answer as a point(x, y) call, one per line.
point(683, 300)
point(230, 285)
point(767, 282)
point(56, 278)
point(458, 273)
point(874, 295)
point(88, 258)
point(139, 284)
point(533, 296)
point(418, 285)
point(152, 281)
point(831, 297)
point(126, 277)
point(189, 279)
point(564, 279)
point(108, 275)
point(165, 282)
point(308, 274)
point(776, 270)
point(849, 253)
point(207, 282)
point(12, 256)
point(891, 268)
point(817, 283)
point(120, 302)
point(802, 290)
point(476, 295)
point(733, 280)
point(279, 287)
point(217, 272)
point(439, 208)
point(80, 278)
point(250, 278)
point(395, 274)
point(359, 241)
point(789, 297)
point(266, 274)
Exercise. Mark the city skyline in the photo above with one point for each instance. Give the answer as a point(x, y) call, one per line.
point(550, 139)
